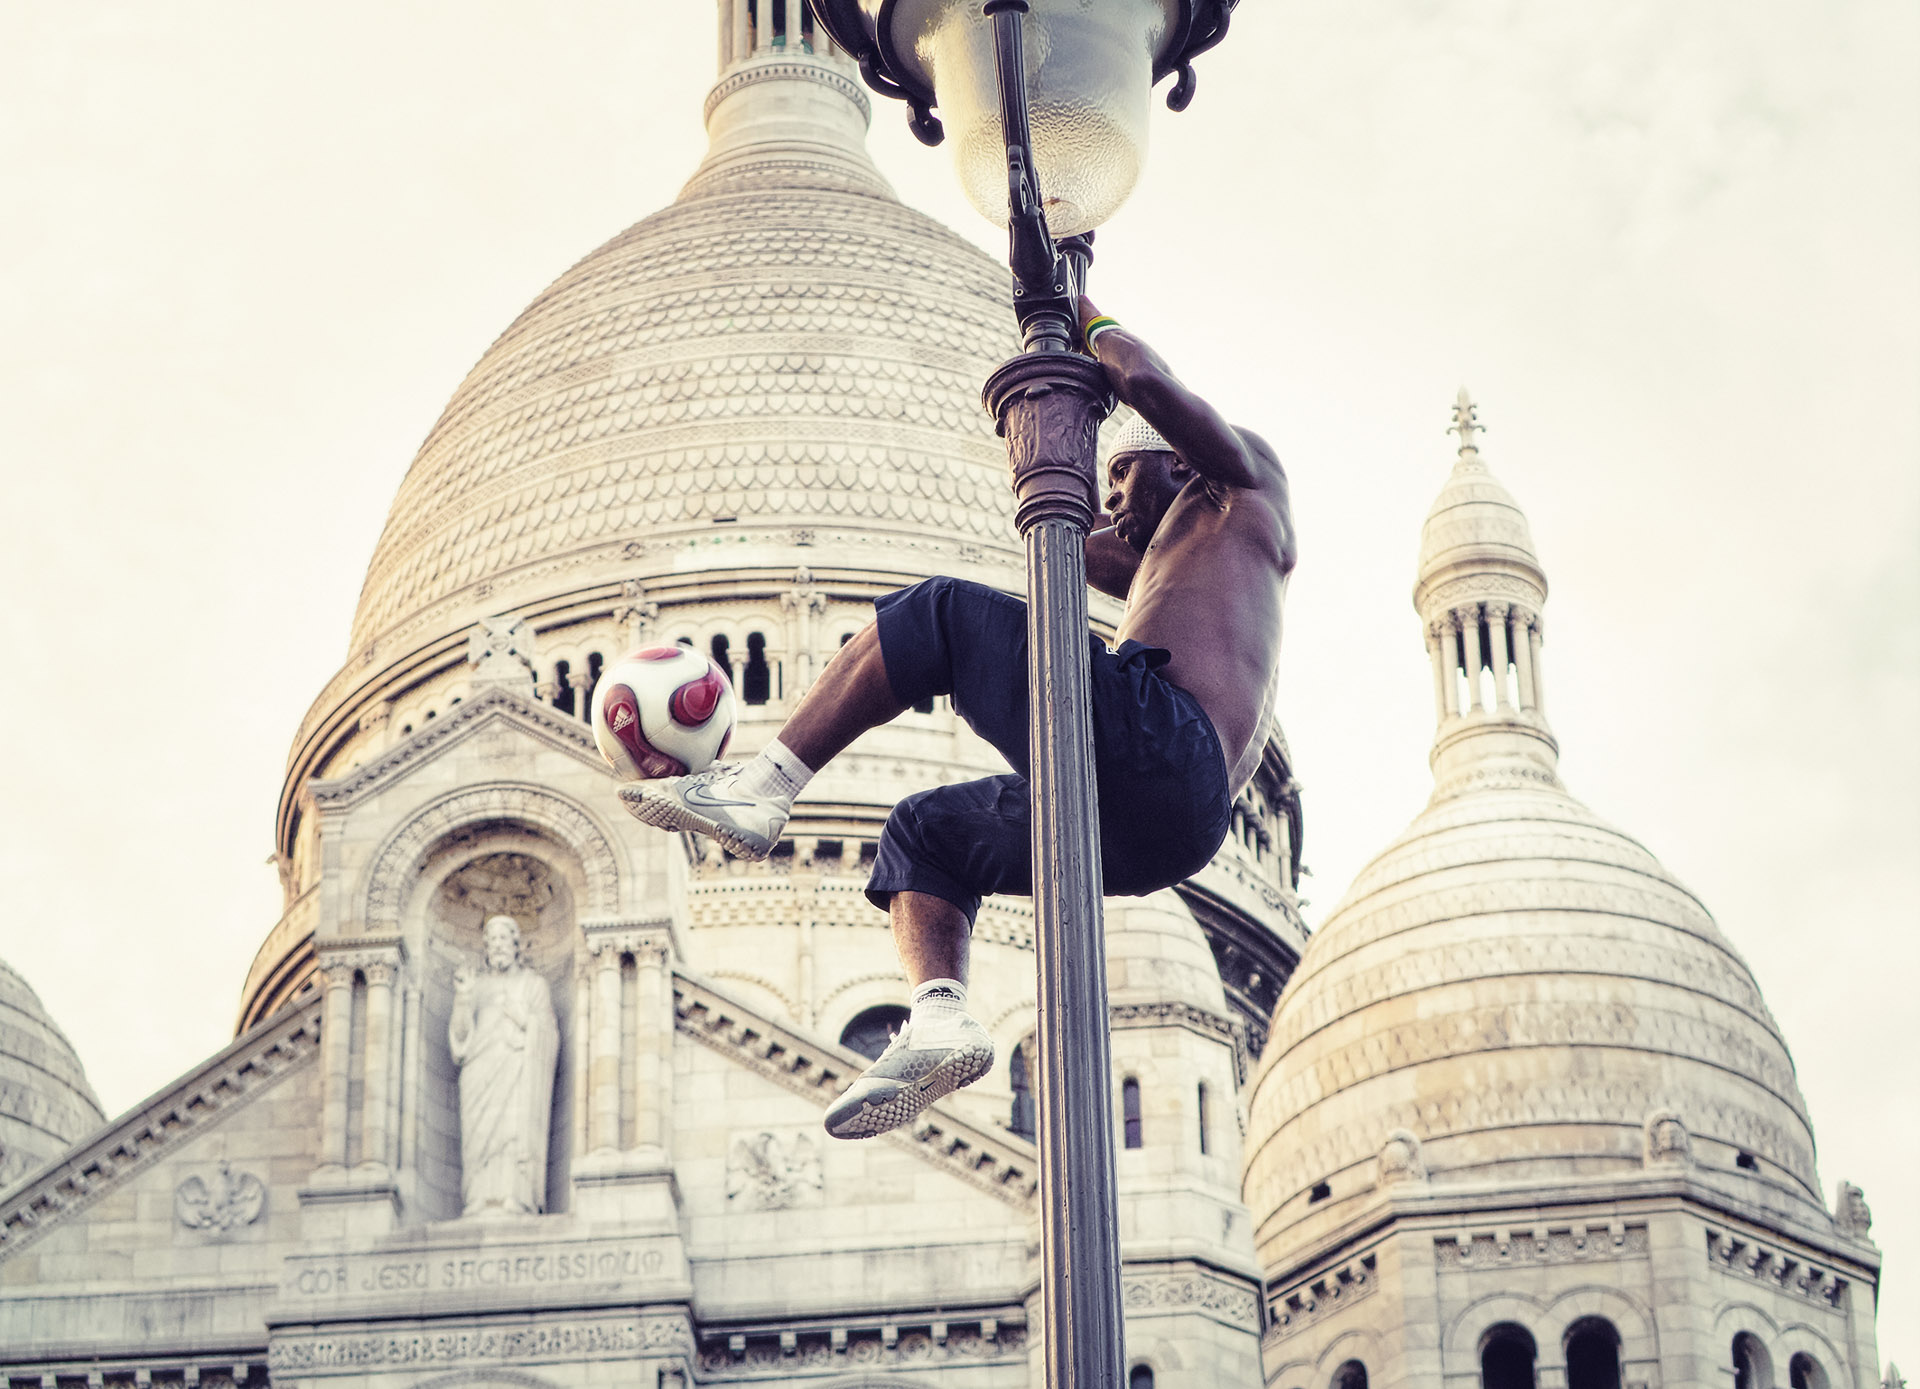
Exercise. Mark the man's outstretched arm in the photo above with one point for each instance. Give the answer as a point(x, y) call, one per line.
point(1199, 433)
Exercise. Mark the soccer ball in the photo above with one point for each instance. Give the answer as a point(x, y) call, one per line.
point(662, 711)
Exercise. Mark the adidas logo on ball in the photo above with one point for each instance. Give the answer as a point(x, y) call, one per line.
point(662, 711)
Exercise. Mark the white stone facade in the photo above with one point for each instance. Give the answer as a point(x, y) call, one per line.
point(1524, 1116)
point(734, 425)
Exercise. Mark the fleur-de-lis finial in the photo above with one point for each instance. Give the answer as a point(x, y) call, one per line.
point(1466, 421)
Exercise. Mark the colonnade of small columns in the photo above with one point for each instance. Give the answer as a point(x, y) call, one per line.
point(1512, 640)
point(750, 27)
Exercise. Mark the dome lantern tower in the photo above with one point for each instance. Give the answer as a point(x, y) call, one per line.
point(1479, 593)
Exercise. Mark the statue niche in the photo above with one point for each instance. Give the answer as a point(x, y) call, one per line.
point(505, 1039)
point(489, 871)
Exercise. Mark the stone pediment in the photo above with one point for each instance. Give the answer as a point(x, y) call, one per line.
point(131, 1144)
point(489, 713)
point(985, 1159)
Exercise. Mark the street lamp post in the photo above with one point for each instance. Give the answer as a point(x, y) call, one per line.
point(1062, 146)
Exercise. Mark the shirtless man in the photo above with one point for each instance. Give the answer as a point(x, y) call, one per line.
point(1200, 543)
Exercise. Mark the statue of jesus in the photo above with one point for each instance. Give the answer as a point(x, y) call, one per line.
point(505, 1041)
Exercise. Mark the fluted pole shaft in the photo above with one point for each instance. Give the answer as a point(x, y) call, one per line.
point(1049, 406)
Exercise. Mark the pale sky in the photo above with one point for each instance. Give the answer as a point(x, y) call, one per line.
point(248, 250)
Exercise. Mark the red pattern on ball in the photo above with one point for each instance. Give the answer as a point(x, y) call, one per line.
point(693, 703)
point(623, 721)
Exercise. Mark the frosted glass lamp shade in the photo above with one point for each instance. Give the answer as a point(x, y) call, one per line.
point(1089, 77)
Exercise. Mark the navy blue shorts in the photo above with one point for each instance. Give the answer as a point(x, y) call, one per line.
point(1164, 801)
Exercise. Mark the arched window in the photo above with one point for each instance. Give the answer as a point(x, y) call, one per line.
point(1130, 1112)
point(595, 664)
point(1506, 1358)
point(562, 690)
point(872, 1028)
point(1752, 1366)
point(1206, 1124)
point(1593, 1354)
point(1804, 1372)
point(718, 648)
point(1021, 1121)
point(1352, 1375)
point(756, 681)
point(1140, 1377)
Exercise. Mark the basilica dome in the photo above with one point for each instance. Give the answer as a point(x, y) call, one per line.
point(786, 354)
point(46, 1104)
point(1515, 983)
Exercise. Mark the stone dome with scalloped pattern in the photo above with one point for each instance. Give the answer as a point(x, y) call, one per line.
point(1514, 982)
point(46, 1104)
point(1475, 524)
point(787, 347)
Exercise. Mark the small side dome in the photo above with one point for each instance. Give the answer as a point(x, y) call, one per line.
point(1521, 986)
point(46, 1104)
point(1156, 953)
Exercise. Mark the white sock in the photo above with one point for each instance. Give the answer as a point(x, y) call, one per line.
point(776, 774)
point(938, 1000)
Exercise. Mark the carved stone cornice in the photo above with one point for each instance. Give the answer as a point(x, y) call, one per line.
point(132, 1144)
point(541, 721)
point(1742, 1257)
point(364, 953)
point(831, 1346)
point(996, 1163)
point(1293, 1309)
point(786, 70)
point(604, 1337)
point(1148, 1288)
point(1469, 589)
point(648, 939)
point(1215, 1027)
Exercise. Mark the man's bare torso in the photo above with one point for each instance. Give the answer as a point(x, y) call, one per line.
point(1209, 589)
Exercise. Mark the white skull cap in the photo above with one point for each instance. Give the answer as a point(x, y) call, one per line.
point(1137, 436)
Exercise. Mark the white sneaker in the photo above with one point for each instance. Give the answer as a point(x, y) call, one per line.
point(919, 1065)
point(710, 803)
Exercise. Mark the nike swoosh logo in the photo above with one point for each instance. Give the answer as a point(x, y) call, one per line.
point(699, 795)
